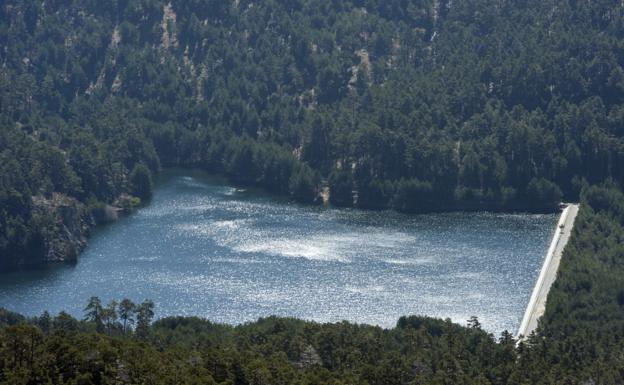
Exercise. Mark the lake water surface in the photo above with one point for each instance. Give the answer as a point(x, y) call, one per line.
point(205, 248)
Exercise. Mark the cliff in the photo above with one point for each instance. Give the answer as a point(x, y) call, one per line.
point(65, 224)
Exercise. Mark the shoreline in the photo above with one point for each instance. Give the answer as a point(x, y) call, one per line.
point(449, 207)
point(537, 303)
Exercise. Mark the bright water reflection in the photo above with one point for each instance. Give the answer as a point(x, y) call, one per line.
point(205, 248)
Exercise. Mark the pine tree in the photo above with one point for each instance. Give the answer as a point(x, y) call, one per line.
point(145, 313)
point(126, 313)
point(93, 313)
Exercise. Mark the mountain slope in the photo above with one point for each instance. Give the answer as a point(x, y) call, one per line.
point(417, 106)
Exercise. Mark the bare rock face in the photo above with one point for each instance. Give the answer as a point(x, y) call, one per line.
point(308, 358)
point(66, 224)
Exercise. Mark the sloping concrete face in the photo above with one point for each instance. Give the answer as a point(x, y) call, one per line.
point(537, 304)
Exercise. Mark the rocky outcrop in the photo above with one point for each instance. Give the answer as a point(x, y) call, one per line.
point(169, 37)
point(65, 224)
point(60, 226)
point(308, 358)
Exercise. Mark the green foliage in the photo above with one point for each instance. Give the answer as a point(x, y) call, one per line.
point(579, 336)
point(543, 192)
point(145, 313)
point(578, 339)
point(416, 101)
point(94, 313)
point(141, 181)
point(10, 318)
point(271, 350)
point(413, 196)
point(126, 313)
point(416, 106)
point(302, 184)
point(341, 188)
point(374, 194)
point(241, 165)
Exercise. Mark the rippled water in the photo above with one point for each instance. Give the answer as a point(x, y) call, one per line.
point(205, 248)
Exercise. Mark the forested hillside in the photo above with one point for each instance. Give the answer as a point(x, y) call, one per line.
point(412, 105)
point(579, 341)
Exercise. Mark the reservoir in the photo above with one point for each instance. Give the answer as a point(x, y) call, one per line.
point(205, 248)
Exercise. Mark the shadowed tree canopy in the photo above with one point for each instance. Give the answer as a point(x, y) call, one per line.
point(412, 105)
point(141, 180)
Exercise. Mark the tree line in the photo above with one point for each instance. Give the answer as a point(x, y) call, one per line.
point(578, 340)
point(413, 106)
point(119, 317)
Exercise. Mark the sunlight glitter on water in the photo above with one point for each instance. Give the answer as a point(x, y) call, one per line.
point(205, 248)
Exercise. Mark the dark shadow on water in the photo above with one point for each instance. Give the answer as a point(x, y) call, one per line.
point(36, 274)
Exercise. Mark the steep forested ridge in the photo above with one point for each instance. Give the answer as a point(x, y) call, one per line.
point(580, 340)
point(412, 105)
